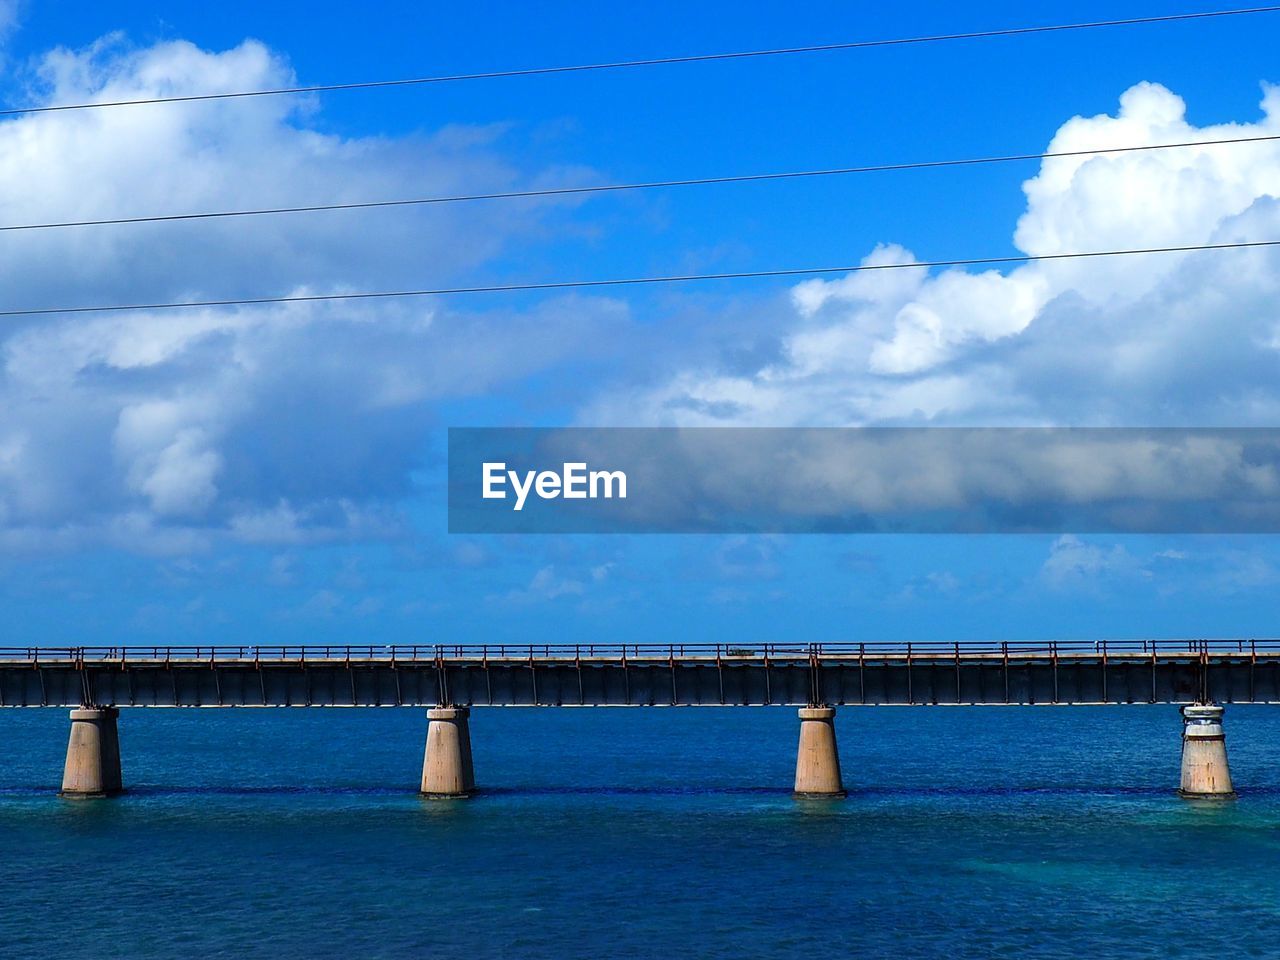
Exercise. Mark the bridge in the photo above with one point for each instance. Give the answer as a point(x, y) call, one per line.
point(96, 682)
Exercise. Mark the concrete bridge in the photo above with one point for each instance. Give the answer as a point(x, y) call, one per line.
point(450, 679)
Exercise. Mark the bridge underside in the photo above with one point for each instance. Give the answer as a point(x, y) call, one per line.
point(798, 681)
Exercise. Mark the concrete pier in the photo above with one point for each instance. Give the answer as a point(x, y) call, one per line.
point(817, 760)
point(93, 754)
point(446, 769)
point(1205, 774)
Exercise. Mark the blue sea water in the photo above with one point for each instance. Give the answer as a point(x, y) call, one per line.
point(647, 833)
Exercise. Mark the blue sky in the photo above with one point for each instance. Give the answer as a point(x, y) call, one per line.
point(273, 475)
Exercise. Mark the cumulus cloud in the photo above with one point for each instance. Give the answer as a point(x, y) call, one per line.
point(221, 155)
point(1073, 561)
point(261, 423)
point(748, 558)
point(9, 10)
point(547, 584)
point(281, 423)
point(1187, 339)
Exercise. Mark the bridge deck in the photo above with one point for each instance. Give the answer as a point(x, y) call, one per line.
point(1066, 672)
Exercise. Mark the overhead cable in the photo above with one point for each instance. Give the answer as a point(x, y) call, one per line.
point(649, 62)
point(552, 192)
point(630, 281)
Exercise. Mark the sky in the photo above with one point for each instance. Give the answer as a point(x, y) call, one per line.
point(274, 474)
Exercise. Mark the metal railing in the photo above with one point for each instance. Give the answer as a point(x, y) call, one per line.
point(417, 653)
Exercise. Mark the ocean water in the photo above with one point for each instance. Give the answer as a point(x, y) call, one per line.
point(644, 833)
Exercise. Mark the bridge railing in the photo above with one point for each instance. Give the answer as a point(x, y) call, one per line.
point(416, 653)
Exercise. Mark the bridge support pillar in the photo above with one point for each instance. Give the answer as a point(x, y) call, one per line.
point(93, 754)
point(817, 760)
point(446, 769)
point(1205, 774)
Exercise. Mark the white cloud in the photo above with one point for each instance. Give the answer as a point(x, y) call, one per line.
point(1073, 561)
point(748, 558)
point(937, 583)
point(282, 571)
point(547, 585)
point(284, 423)
point(9, 11)
point(168, 460)
point(1217, 569)
point(321, 605)
point(230, 154)
point(468, 553)
point(1186, 339)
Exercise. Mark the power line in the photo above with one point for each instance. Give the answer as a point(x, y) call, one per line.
point(617, 187)
point(634, 281)
point(652, 62)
